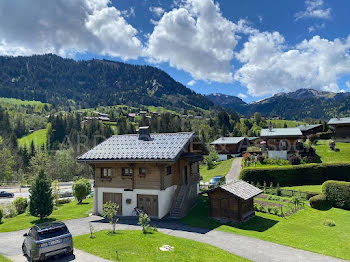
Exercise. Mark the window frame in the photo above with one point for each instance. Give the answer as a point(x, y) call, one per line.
point(108, 172)
point(169, 170)
point(142, 173)
point(127, 174)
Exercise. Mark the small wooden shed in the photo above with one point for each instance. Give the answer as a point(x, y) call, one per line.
point(233, 201)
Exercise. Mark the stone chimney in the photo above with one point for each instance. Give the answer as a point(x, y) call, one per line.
point(144, 133)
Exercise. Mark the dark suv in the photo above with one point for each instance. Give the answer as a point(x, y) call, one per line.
point(47, 240)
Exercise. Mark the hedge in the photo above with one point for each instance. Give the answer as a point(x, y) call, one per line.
point(337, 193)
point(307, 174)
point(319, 202)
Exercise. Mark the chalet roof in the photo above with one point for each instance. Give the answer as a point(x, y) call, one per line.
point(339, 121)
point(161, 147)
point(252, 138)
point(278, 132)
point(241, 189)
point(227, 140)
point(304, 128)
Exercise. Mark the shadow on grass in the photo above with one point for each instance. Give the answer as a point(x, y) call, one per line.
point(40, 221)
point(257, 223)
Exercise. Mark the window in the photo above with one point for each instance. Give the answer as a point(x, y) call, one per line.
point(106, 172)
point(277, 140)
point(142, 171)
point(127, 171)
point(168, 170)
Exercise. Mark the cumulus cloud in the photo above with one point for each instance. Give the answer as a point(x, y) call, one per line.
point(66, 27)
point(196, 38)
point(270, 67)
point(242, 96)
point(157, 10)
point(314, 9)
point(191, 83)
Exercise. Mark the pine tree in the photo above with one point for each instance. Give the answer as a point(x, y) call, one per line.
point(32, 149)
point(41, 199)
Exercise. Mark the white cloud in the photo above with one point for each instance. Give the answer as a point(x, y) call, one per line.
point(316, 27)
point(314, 9)
point(196, 38)
point(270, 67)
point(242, 96)
point(65, 28)
point(191, 83)
point(157, 11)
point(348, 84)
point(129, 13)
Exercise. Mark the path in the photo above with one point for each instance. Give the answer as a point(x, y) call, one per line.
point(250, 248)
point(234, 171)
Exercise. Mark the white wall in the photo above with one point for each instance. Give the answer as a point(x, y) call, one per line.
point(165, 199)
point(277, 154)
point(222, 157)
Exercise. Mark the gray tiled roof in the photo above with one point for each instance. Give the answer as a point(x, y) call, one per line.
point(291, 131)
point(337, 121)
point(307, 127)
point(242, 189)
point(227, 140)
point(161, 147)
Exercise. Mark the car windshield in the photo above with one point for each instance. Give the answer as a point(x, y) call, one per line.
point(215, 179)
point(55, 232)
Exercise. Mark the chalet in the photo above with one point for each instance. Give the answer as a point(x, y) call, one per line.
point(157, 173)
point(281, 142)
point(228, 147)
point(233, 201)
point(307, 130)
point(340, 128)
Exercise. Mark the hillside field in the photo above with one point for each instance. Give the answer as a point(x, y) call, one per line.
point(38, 137)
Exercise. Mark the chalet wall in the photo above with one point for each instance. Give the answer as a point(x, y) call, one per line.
point(342, 132)
point(276, 143)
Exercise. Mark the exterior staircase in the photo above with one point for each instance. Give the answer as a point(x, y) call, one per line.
point(176, 211)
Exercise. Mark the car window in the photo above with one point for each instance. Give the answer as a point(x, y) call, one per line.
point(52, 233)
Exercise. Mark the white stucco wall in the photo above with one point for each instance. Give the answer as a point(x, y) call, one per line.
point(277, 154)
point(165, 199)
point(222, 157)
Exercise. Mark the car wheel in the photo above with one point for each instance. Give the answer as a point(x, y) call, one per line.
point(71, 253)
point(24, 249)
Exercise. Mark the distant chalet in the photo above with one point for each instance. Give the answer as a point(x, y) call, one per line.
point(340, 128)
point(310, 129)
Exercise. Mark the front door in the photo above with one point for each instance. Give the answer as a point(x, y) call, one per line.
point(114, 198)
point(149, 204)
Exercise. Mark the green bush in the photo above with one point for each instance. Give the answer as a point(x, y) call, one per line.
point(81, 189)
point(10, 211)
point(310, 174)
point(1, 213)
point(20, 204)
point(329, 223)
point(337, 193)
point(319, 202)
point(63, 201)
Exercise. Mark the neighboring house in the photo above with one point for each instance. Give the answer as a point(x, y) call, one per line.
point(340, 128)
point(282, 142)
point(233, 201)
point(158, 173)
point(307, 130)
point(228, 147)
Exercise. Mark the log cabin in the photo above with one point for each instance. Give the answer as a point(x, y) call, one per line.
point(340, 128)
point(307, 130)
point(157, 173)
point(228, 147)
point(282, 142)
point(233, 202)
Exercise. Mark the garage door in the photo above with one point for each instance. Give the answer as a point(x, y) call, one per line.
point(149, 204)
point(114, 198)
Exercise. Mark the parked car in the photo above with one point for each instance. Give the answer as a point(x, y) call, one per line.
point(47, 240)
point(6, 194)
point(217, 181)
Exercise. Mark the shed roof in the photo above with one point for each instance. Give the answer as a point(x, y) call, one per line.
point(339, 121)
point(241, 189)
point(161, 147)
point(227, 140)
point(287, 132)
point(304, 128)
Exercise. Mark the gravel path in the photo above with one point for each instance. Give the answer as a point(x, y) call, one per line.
point(234, 171)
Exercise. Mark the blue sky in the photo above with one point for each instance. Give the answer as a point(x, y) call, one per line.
point(249, 48)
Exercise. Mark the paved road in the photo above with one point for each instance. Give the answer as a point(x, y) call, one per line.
point(250, 248)
point(234, 171)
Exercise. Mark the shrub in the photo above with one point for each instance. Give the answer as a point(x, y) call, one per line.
point(1, 213)
point(337, 193)
point(310, 174)
point(210, 160)
point(275, 210)
point(319, 202)
point(261, 158)
point(294, 160)
point(269, 209)
point(110, 212)
point(313, 138)
point(63, 201)
point(329, 223)
point(20, 204)
point(81, 189)
point(10, 211)
point(332, 145)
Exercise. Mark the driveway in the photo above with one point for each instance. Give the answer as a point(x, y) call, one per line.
point(234, 171)
point(250, 248)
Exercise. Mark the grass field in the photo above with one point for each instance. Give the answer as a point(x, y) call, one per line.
point(280, 123)
point(311, 188)
point(135, 246)
point(18, 102)
point(221, 168)
point(67, 211)
point(329, 156)
point(304, 229)
point(4, 259)
point(39, 137)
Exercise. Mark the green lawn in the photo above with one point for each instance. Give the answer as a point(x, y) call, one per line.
point(71, 210)
point(329, 156)
point(39, 138)
point(15, 101)
point(133, 245)
point(4, 259)
point(277, 123)
point(221, 169)
point(304, 230)
point(311, 188)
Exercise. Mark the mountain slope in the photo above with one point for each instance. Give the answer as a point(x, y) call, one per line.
point(231, 102)
point(50, 78)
